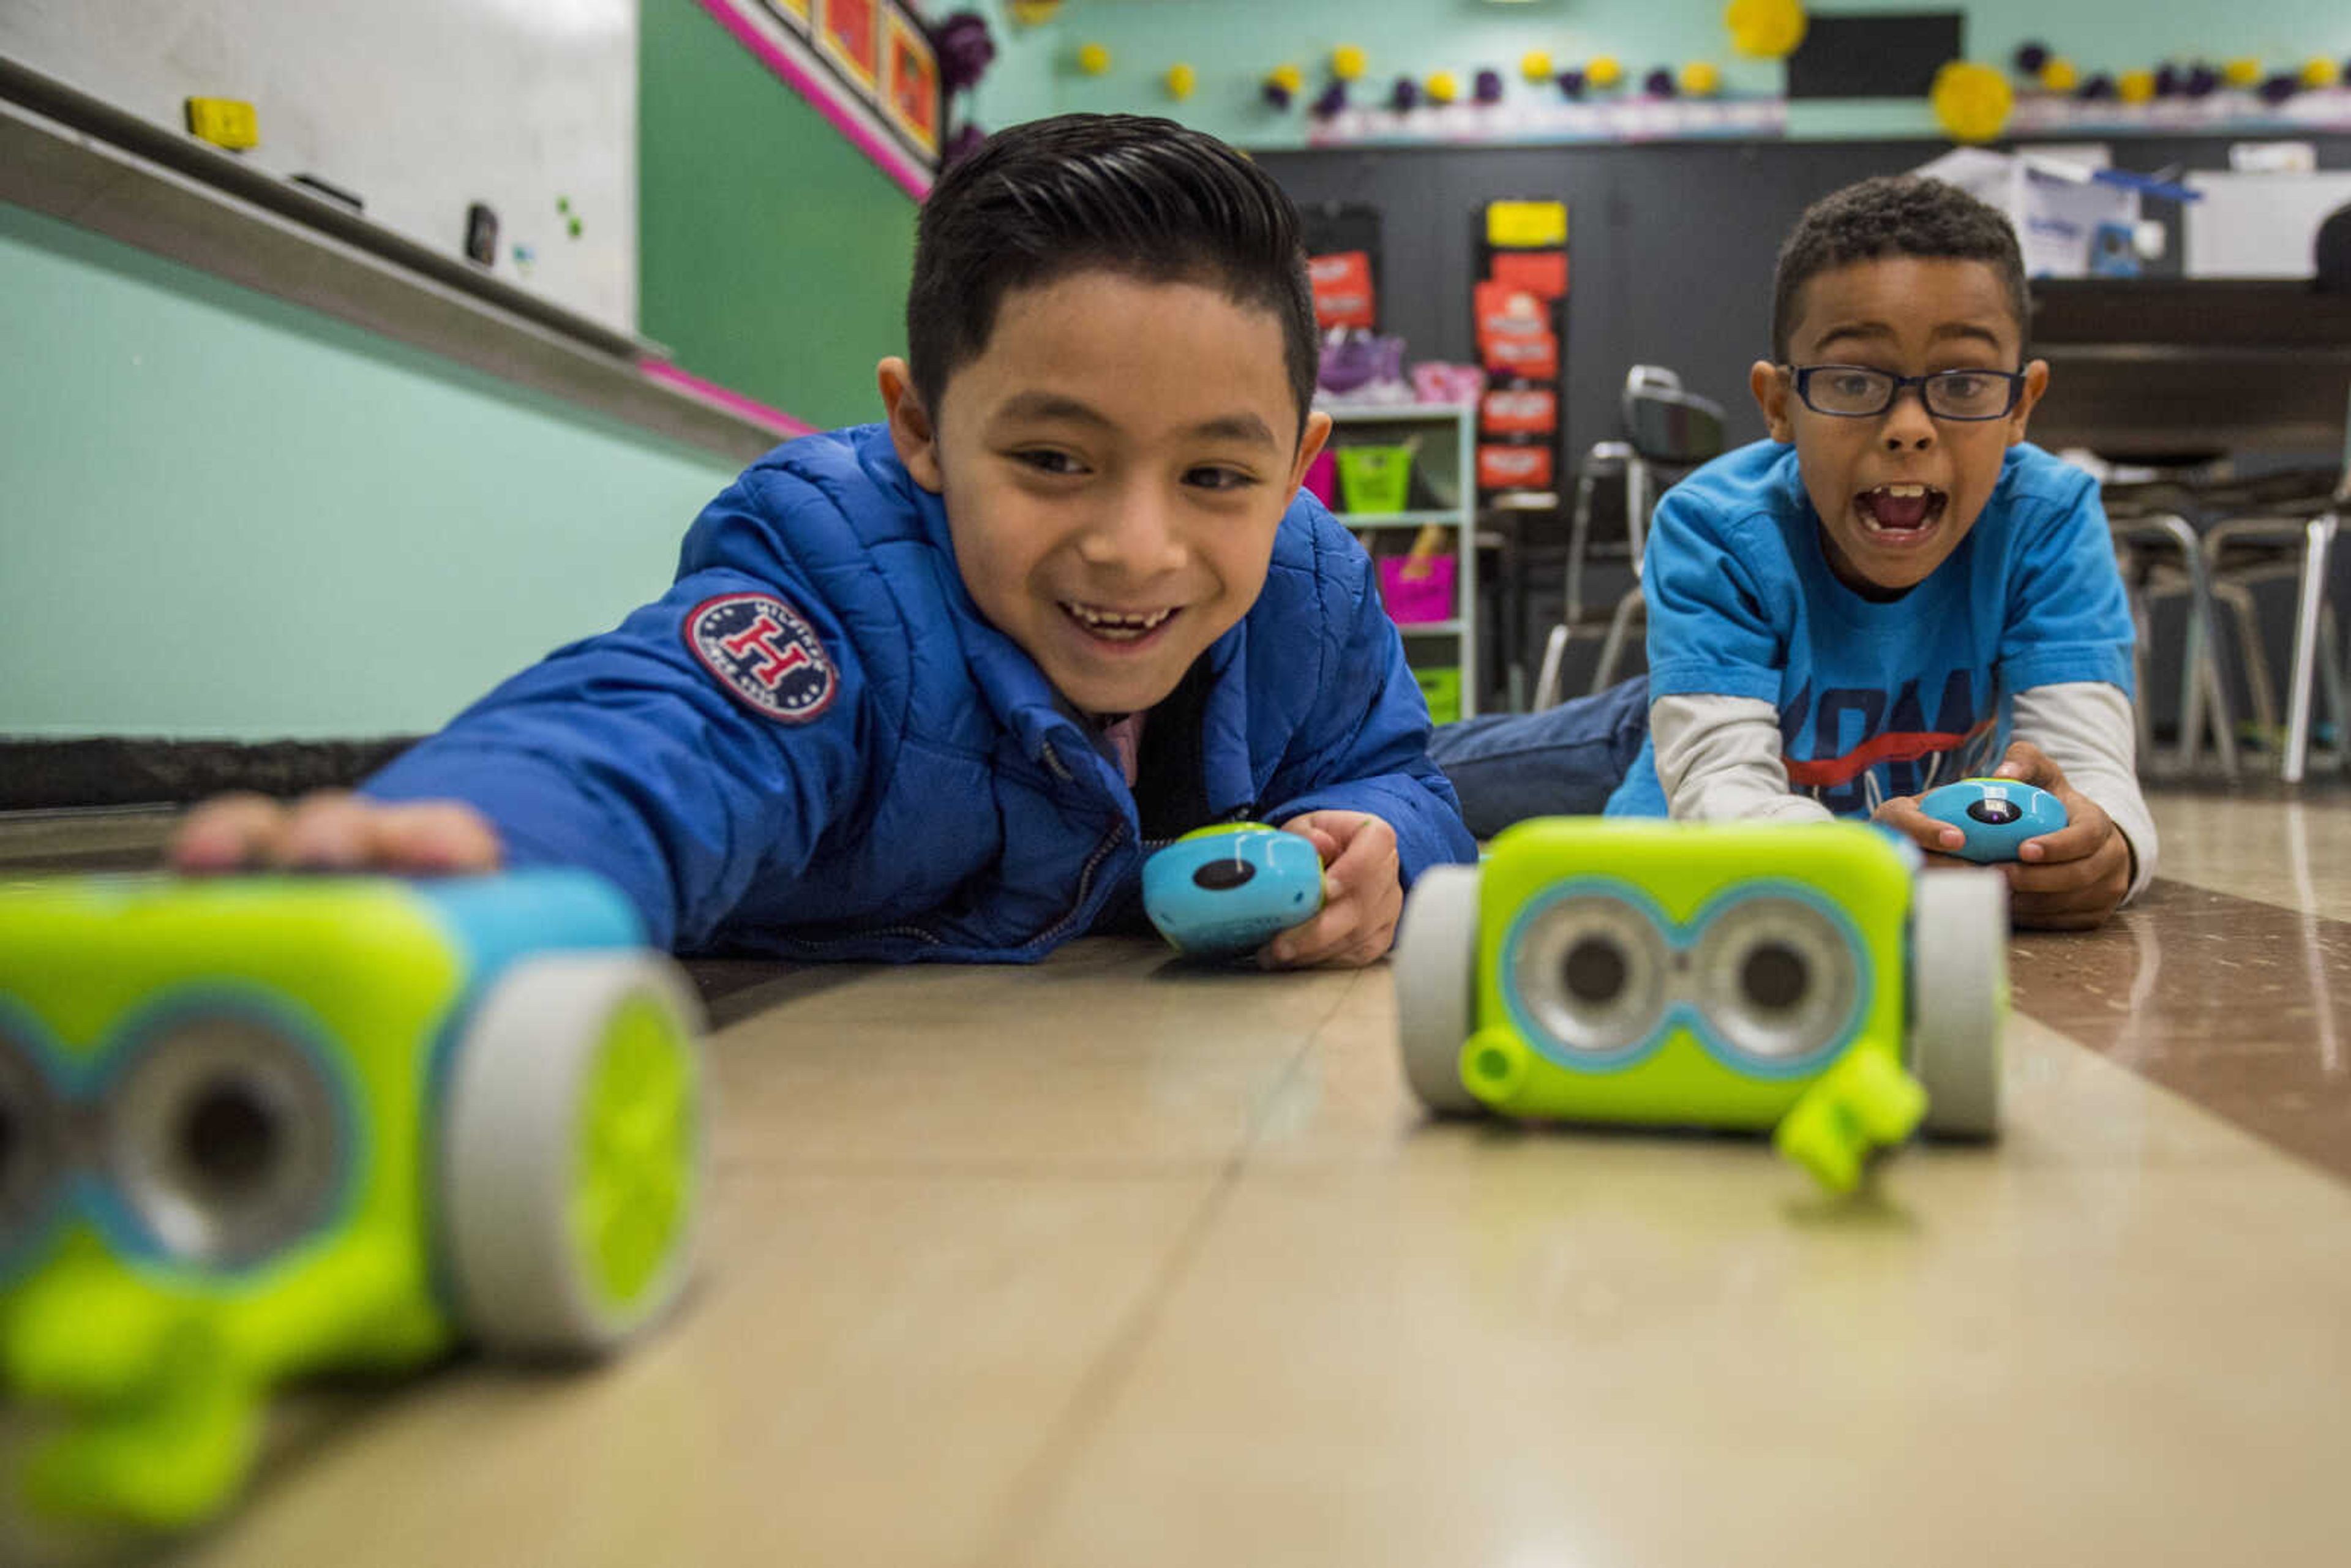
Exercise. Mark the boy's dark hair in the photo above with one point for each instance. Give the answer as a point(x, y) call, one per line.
point(1894, 215)
point(1128, 192)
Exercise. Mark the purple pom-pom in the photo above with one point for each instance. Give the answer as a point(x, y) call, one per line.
point(1570, 84)
point(2031, 57)
point(1333, 100)
point(2280, 87)
point(963, 49)
point(1658, 83)
point(1404, 95)
point(1277, 95)
point(962, 144)
point(2097, 89)
point(1488, 88)
point(2166, 82)
point(2202, 81)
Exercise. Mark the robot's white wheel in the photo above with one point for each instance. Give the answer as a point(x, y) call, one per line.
point(573, 1139)
point(1435, 976)
point(1959, 1003)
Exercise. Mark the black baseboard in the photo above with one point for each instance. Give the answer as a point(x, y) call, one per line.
point(127, 770)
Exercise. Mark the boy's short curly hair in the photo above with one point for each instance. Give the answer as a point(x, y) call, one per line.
point(1894, 215)
point(1127, 193)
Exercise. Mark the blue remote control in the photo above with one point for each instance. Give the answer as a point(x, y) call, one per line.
point(1997, 815)
point(1222, 891)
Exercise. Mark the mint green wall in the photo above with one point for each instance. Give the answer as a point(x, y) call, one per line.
point(1234, 43)
point(222, 516)
point(773, 256)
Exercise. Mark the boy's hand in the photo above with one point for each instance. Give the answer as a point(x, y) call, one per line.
point(1363, 892)
point(332, 830)
point(2070, 880)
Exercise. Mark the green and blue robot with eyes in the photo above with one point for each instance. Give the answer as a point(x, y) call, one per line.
point(1810, 981)
point(254, 1129)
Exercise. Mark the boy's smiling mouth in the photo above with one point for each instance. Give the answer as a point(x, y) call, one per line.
point(1901, 515)
point(1122, 626)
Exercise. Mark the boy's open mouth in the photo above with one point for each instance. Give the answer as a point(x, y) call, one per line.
point(1900, 510)
point(1117, 625)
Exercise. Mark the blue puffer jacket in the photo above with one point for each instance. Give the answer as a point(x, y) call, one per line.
point(814, 746)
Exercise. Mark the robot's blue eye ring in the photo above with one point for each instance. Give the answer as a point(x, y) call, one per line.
point(221, 1137)
point(32, 1147)
point(1593, 972)
point(1776, 979)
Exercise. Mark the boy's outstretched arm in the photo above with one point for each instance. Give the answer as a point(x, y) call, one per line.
point(711, 735)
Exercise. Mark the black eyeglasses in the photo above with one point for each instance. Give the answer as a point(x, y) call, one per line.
point(1857, 392)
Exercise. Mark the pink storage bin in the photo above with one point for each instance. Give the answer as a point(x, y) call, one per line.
point(1321, 480)
point(1411, 600)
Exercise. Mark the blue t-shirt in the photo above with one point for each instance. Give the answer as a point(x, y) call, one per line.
point(1875, 699)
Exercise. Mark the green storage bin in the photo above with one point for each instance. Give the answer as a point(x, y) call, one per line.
point(1440, 687)
point(1374, 478)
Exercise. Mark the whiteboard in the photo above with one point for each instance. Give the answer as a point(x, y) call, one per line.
point(421, 108)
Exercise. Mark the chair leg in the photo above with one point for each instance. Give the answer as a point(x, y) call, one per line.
point(2331, 682)
point(2142, 712)
point(2260, 691)
point(2200, 670)
point(2318, 539)
point(1554, 655)
point(1620, 628)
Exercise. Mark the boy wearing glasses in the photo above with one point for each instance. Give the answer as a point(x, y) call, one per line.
point(1847, 614)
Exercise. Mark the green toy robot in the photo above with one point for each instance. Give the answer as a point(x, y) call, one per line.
point(1748, 976)
point(252, 1129)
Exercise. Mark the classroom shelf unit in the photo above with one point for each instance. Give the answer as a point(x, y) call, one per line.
point(1443, 493)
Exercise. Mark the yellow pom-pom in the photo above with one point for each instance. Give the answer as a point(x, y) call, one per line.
point(1768, 30)
point(2319, 73)
point(1535, 65)
point(2059, 75)
point(1604, 70)
point(1289, 79)
point(1181, 79)
point(1701, 79)
point(2136, 87)
point(1094, 59)
point(2242, 71)
point(1444, 87)
point(1971, 101)
point(1349, 63)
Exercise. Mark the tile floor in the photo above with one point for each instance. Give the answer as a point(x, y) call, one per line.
point(1105, 1262)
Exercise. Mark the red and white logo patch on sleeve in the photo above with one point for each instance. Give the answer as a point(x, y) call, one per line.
point(765, 653)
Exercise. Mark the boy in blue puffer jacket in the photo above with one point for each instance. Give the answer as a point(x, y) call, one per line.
point(929, 689)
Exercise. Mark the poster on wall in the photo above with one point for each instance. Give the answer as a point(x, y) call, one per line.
point(912, 98)
point(849, 31)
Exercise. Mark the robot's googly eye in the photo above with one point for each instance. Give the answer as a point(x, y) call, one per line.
point(1776, 979)
point(221, 1137)
point(1592, 971)
point(32, 1140)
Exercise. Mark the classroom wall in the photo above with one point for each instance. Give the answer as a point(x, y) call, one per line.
point(773, 256)
point(226, 516)
point(300, 529)
point(1232, 44)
